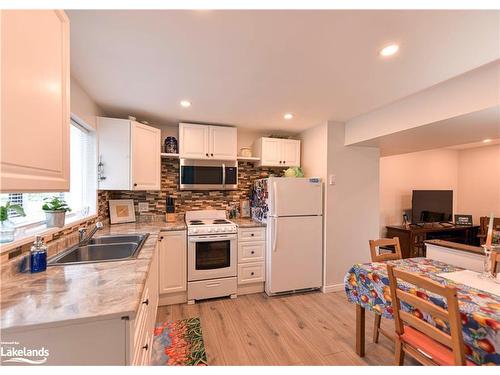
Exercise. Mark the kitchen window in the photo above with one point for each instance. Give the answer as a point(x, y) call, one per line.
point(82, 196)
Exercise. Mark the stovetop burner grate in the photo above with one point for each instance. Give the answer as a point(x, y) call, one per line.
point(196, 222)
point(221, 221)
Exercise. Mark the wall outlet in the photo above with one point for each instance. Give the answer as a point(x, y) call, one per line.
point(143, 206)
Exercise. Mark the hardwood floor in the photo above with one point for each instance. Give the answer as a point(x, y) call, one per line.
point(303, 329)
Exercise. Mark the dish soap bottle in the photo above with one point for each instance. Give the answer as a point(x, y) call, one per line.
point(38, 256)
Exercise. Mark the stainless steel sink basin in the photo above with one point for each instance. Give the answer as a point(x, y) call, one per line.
point(102, 249)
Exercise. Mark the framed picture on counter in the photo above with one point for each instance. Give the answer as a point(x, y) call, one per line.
point(463, 220)
point(121, 211)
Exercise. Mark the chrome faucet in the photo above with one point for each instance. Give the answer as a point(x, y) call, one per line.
point(83, 238)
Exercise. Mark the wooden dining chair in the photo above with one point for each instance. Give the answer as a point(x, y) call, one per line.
point(495, 261)
point(376, 256)
point(427, 344)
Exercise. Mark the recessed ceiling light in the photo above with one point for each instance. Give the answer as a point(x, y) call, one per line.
point(389, 50)
point(288, 116)
point(185, 103)
point(486, 140)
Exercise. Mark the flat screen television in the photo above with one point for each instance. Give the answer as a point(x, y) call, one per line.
point(430, 206)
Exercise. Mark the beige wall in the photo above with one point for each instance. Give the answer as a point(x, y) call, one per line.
point(400, 174)
point(351, 214)
point(479, 181)
point(352, 204)
point(83, 106)
point(473, 174)
point(314, 144)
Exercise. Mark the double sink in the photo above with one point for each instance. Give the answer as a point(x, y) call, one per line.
point(102, 249)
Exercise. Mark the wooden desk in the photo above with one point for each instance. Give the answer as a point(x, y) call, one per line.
point(412, 237)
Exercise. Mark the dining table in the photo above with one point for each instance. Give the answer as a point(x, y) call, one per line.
point(367, 286)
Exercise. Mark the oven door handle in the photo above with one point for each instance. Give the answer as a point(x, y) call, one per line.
point(223, 176)
point(212, 238)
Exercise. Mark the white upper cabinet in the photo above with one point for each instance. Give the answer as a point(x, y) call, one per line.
point(270, 153)
point(193, 141)
point(35, 100)
point(129, 155)
point(290, 151)
point(223, 143)
point(207, 142)
point(276, 152)
point(146, 158)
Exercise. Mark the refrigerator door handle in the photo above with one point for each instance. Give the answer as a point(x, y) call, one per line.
point(275, 233)
point(275, 197)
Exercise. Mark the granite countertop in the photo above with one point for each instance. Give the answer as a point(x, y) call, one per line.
point(78, 292)
point(244, 222)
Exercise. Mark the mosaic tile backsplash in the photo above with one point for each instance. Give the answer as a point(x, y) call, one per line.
point(187, 200)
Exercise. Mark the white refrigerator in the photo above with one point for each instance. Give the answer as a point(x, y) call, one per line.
point(293, 211)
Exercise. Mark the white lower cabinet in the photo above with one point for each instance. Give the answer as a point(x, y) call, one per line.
point(143, 325)
point(173, 267)
point(251, 255)
point(98, 341)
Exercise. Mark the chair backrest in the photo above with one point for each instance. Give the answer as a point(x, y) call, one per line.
point(376, 244)
point(484, 221)
point(451, 315)
point(495, 261)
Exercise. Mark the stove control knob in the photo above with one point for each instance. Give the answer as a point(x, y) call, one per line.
point(209, 230)
point(194, 230)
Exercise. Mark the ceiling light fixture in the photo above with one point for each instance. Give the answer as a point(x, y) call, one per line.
point(486, 140)
point(288, 116)
point(389, 50)
point(185, 103)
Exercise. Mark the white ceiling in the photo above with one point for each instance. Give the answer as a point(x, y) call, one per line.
point(248, 68)
point(462, 132)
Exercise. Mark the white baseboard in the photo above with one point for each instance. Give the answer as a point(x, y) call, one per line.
point(332, 288)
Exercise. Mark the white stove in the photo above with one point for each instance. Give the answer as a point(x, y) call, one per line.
point(212, 255)
point(208, 222)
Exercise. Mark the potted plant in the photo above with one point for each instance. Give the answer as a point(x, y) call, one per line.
point(7, 228)
point(55, 211)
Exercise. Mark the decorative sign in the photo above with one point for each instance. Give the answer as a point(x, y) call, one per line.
point(121, 211)
point(463, 219)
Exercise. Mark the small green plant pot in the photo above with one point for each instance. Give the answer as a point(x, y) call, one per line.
point(55, 219)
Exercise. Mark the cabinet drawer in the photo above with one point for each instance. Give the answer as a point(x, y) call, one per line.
point(252, 234)
point(212, 288)
point(251, 273)
point(251, 251)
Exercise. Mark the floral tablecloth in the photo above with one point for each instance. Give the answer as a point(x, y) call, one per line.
point(368, 285)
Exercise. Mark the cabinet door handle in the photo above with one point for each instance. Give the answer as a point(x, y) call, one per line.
point(252, 234)
point(207, 154)
point(280, 161)
point(146, 347)
point(135, 184)
point(252, 252)
point(161, 238)
point(146, 302)
point(252, 273)
point(211, 154)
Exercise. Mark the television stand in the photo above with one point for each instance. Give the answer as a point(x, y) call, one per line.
point(412, 237)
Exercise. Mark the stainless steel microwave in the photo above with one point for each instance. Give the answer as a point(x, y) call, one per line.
point(208, 175)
